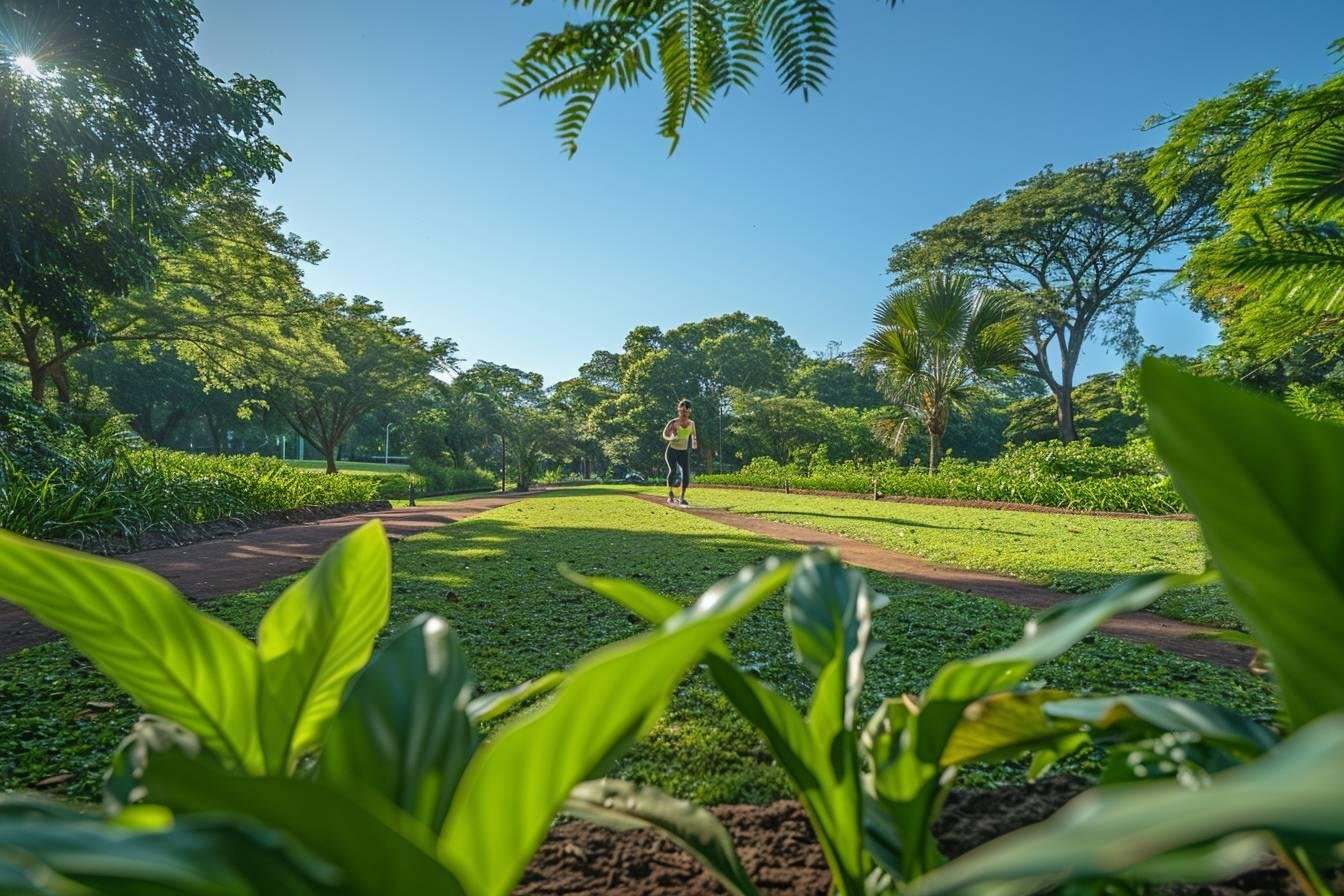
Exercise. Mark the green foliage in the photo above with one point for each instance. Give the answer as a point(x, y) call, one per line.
point(412, 796)
point(937, 339)
point(702, 50)
point(116, 489)
point(1107, 234)
point(1101, 415)
point(1278, 152)
point(1269, 493)
point(80, 137)
point(378, 360)
point(434, 477)
point(1076, 476)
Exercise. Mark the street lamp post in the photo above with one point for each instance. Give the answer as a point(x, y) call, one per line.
point(387, 443)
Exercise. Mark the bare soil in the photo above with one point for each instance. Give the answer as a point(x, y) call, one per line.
point(1180, 638)
point(781, 855)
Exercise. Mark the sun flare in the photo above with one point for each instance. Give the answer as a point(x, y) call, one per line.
point(28, 65)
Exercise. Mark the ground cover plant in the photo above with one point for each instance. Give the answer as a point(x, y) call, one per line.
point(494, 578)
point(1075, 476)
point(133, 490)
point(1070, 553)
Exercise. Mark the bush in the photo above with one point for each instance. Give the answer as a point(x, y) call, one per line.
point(440, 478)
point(1077, 476)
point(113, 486)
point(399, 486)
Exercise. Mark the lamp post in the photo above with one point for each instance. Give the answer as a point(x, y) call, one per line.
point(387, 443)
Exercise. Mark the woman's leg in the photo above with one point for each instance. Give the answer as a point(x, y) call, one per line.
point(671, 470)
point(684, 458)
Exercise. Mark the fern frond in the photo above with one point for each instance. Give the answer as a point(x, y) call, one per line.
point(701, 48)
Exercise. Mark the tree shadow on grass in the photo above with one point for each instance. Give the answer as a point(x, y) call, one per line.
point(894, 521)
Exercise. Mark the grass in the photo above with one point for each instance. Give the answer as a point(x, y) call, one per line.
point(444, 499)
point(351, 466)
point(494, 576)
point(1070, 553)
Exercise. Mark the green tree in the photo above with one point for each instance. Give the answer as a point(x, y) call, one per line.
point(1278, 153)
point(1101, 414)
point(935, 341)
point(379, 360)
point(227, 298)
point(837, 382)
point(109, 119)
point(701, 50)
point(1078, 247)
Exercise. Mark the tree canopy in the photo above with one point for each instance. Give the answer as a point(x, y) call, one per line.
point(109, 120)
point(1077, 248)
point(379, 359)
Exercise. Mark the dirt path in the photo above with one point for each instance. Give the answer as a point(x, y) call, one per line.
point(1146, 628)
point(223, 566)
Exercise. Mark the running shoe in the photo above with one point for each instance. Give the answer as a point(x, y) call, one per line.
point(683, 503)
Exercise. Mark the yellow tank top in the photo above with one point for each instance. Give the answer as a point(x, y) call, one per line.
point(682, 440)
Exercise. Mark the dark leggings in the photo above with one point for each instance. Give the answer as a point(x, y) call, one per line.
point(678, 457)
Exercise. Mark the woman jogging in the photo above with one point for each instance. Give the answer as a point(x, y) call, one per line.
point(679, 433)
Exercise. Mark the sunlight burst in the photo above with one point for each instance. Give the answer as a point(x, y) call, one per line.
point(27, 65)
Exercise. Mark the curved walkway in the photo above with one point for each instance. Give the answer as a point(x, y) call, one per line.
point(236, 563)
point(1180, 638)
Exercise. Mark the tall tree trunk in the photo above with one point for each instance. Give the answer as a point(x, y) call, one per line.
point(935, 449)
point(1064, 413)
point(62, 381)
point(37, 371)
point(331, 461)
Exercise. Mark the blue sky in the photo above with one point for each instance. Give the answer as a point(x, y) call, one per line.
point(469, 220)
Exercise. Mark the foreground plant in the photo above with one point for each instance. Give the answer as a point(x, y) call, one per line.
point(1268, 488)
point(391, 789)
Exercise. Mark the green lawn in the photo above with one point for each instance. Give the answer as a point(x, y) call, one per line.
point(351, 466)
point(495, 577)
point(1072, 553)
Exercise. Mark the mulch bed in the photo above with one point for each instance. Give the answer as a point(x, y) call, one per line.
point(955, 502)
point(778, 849)
point(195, 532)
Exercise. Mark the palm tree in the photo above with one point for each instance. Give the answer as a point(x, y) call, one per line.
point(936, 340)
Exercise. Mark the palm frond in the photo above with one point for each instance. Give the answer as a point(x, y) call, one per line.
point(701, 49)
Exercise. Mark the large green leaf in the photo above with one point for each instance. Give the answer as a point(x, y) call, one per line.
point(172, 659)
point(1268, 489)
point(493, 705)
point(378, 848)
point(404, 730)
point(1148, 712)
point(830, 613)
point(1163, 831)
point(46, 849)
point(622, 806)
point(792, 741)
point(317, 635)
point(908, 777)
point(1004, 726)
point(517, 782)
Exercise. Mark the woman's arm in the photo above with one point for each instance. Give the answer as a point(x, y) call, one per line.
point(670, 431)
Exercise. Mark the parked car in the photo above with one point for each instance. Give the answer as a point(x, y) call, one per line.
point(634, 477)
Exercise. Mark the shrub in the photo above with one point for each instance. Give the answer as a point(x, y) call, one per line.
point(441, 478)
point(114, 486)
point(1077, 476)
point(399, 486)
